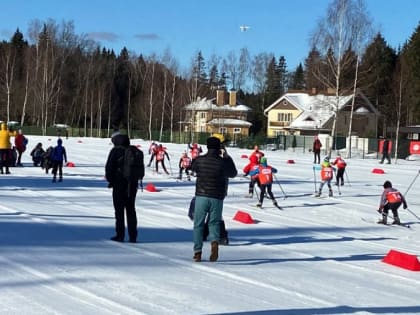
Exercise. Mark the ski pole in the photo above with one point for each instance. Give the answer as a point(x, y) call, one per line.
point(412, 182)
point(413, 213)
point(141, 185)
point(347, 176)
point(313, 167)
point(281, 188)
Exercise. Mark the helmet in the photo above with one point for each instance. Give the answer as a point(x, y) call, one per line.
point(327, 159)
point(263, 160)
point(387, 184)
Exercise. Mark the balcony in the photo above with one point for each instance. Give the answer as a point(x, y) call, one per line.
point(279, 123)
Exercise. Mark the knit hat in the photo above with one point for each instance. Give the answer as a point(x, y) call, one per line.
point(213, 143)
point(387, 184)
point(263, 160)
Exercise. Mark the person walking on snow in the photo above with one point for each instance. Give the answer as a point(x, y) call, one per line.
point(341, 168)
point(20, 143)
point(251, 166)
point(160, 158)
point(265, 177)
point(385, 152)
point(210, 190)
point(316, 149)
point(391, 199)
point(58, 155)
point(184, 165)
point(327, 173)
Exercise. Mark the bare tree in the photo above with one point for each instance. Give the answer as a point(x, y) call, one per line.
point(362, 36)
point(335, 34)
point(7, 77)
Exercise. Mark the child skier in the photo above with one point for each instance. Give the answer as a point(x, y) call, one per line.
point(184, 165)
point(265, 177)
point(341, 168)
point(160, 158)
point(391, 199)
point(252, 165)
point(327, 172)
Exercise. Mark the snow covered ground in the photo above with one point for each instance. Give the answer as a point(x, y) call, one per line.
point(317, 256)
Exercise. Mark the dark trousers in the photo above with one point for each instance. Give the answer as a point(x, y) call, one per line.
point(385, 155)
point(340, 176)
point(5, 158)
point(163, 166)
point(252, 183)
point(19, 157)
point(317, 156)
point(266, 188)
point(187, 171)
point(124, 200)
point(57, 168)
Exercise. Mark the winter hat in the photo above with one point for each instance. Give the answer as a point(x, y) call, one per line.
point(213, 143)
point(327, 159)
point(387, 184)
point(59, 141)
point(263, 160)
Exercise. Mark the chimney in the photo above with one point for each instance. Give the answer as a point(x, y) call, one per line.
point(220, 97)
point(232, 98)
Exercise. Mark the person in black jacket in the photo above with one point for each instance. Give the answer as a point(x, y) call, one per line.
point(385, 152)
point(123, 193)
point(212, 171)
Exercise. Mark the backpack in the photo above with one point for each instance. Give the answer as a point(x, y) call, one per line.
point(133, 165)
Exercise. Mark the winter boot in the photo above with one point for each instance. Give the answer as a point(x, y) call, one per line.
point(330, 194)
point(214, 255)
point(259, 205)
point(318, 194)
point(197, 257)
point(383, 221)
point(396, 221)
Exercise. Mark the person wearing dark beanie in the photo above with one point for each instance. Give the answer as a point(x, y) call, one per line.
point(212, 171)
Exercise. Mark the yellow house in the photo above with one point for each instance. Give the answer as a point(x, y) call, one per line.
point(304, 113)
point(223, 114)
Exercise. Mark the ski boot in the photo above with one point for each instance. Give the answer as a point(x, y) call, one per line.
point(259, 205)
point(396, 221)
point(330, 194)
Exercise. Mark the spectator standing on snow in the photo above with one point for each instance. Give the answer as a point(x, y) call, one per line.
point(212, 171)
point(265, 177)
point(385, 151)
point(391, 199)
point(58, 156)
point(341, 168)
point(316, 149)
point(20, 143)
point(124, 190)
point(5, 147)
point(327, 173)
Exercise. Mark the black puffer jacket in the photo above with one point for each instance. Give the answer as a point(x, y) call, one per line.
point(212, 173)
point(112, 174)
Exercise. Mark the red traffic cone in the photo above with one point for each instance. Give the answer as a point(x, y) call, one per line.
point(244, 156)
point(243, 217)
point(403, 260)
point(290, 162)
point(378, 171)
point(150, 187)
point(70, 164)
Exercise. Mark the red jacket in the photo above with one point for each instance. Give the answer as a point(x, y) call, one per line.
point(20, 142)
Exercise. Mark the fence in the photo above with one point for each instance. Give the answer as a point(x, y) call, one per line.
point(360, 147)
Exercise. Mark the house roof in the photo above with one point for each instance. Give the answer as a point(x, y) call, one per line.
point(229, 122)
point(317, 110)
point(205, 104)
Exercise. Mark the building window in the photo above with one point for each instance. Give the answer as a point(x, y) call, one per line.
point(236, 130)
point(203, 115)
point(223, 130)
point(284, 117)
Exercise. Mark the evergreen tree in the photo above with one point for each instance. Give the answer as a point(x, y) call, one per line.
point(297, 79)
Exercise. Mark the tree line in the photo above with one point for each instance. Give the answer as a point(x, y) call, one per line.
point(58, 77)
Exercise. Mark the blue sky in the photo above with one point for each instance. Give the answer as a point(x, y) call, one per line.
point(186, 26)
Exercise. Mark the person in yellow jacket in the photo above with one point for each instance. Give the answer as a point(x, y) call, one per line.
point(5, 147)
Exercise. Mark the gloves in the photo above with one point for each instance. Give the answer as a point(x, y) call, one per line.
point(109, 185)
point(379, 210)
point(405, 207)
